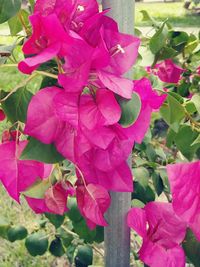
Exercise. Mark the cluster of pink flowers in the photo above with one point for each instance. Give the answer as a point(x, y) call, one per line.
point(81, 115)
point(163, 225)
point(167, 71)
point(81, 118)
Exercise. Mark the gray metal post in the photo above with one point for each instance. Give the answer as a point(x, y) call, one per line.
point(117, 234)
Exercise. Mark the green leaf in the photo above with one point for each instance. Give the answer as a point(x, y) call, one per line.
point(172, 112)
point(147, 17)
point(141, 175)
point(16, 105)
point(17, 233)
point(190, 107)
point(143, 194)
point(36, 244)
point(15, 24)
point(73, 213)
point(85, 255)
point(184, 141)
point(38, 189)
point(196, 141)
point(47, 82)
point(83, 231)
point(192, 44)
point(4, 227)
point(99, 238)
point(191, 247)
point(8, 9)
point(158, 40)
point(178, 40)
point(32, 3)
point(65, 237)
point(137, 203)
point(56, 248)
point(158, 183)
point(70, 253)
point(36, 150)
point(130, 110)
point(167, 52)
point(196, 100)
point(55, 219)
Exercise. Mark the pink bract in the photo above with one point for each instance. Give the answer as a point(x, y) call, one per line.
point(168, 71)
point(72, 14)
point(15, 174)
point(2, 115)
point(56, 199)
point(185, 186)
point(48, 40)
point(93, 201)
point(162, 232)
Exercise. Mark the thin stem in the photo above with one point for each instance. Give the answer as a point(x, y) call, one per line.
point(44, 73)
point(9, 66)
point(28, 32)
point(23, 83)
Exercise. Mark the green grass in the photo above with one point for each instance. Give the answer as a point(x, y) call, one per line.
point(15, 254)
point(175, 12)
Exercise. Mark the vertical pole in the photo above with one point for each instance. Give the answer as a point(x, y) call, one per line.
point(117, 234)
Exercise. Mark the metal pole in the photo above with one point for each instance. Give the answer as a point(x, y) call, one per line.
point(117, 234)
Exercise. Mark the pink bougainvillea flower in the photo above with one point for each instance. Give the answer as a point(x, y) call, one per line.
point(48, 40)
point(123, 50)
point(72, 14)
point(38, 205)
point(93, 201)
point(198, 70)
point(115, 177)
point(15, 174)
point(9, 135)
point(2, 115)
point(150, 101)
point(99, 111)
point(185, 186)
point(168, 71)
point(54, 201)
point(118, 85)
point(42, 122)
point(66, 107)
point(77, 65)
point(162, 232)
point(48, 119)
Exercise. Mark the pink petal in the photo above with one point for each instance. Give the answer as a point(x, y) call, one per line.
point(42, 122)
point(123, 49)
point(119, 179)
point(169, 72)
point(148, 95)
point(65, 142)
point(100, 136)
point(165, 227)
point(56, 199)
point(118, 85)
point(157, 256)
point(28, 65)
point(38, 205)
point(136, 220)
point(66, 107)
point(2, 115)
point(108, 106)
point(17, 175)
point(93, 201)
point(185, 187)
